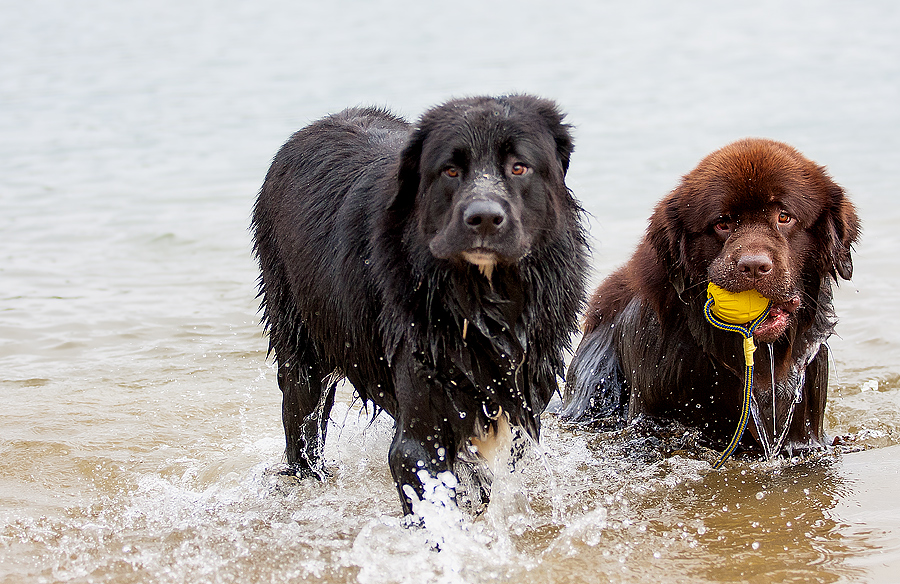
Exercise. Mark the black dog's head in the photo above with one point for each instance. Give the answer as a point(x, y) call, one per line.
point(758, 214)
point(485, 177)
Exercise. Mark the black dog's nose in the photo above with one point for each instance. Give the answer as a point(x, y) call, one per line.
point(484, 216)
point(754, 266)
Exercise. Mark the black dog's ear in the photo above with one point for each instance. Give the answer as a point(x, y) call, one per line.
point(408, 171)
point(842, 225)
point(560, 131)
point(550, 113)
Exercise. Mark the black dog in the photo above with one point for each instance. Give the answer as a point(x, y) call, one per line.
point(754, 215)
point(439, 269)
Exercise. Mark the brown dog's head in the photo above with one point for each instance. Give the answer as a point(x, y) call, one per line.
point(757, 214)
point(484, 177)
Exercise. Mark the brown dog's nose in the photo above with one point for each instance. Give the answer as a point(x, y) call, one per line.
point(754, 266)
point(484, 216)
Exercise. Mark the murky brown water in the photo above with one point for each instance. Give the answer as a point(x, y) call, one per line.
point(139, 420)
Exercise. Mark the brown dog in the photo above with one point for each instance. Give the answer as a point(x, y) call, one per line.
point(755, 214)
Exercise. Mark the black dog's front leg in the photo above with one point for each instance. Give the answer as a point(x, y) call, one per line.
point(412, 454)
point(423, 439)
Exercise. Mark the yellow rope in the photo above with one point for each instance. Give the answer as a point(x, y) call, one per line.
point(749, 347)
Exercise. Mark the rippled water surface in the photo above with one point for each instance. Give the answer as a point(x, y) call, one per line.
point(140, 431)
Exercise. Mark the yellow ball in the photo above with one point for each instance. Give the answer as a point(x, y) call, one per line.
point(736, 307)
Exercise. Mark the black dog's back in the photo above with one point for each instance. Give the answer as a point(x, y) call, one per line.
point(311, 223)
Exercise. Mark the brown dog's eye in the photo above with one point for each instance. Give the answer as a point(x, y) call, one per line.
point(723, 225)
point(519, 169)
point(784, 218)
point(451, 171)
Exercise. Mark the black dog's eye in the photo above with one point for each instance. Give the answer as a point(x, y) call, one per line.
point(784, 218)
point(518, 169)
point(451, 171)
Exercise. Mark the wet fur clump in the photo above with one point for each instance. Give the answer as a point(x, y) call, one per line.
point(755, 214)
point(438, 267)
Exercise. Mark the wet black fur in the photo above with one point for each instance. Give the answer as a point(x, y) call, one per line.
point(350, 287)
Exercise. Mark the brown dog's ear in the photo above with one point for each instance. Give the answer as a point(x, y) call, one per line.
point(668, 239)
point(842, 226)
point(657, 234)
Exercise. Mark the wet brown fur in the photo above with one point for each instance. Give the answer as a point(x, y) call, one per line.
point(647, 348)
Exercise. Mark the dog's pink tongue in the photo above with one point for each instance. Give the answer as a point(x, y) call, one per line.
point(777, 321)
point(775, 324)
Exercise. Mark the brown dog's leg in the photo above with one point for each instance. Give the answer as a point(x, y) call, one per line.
point(807, 431)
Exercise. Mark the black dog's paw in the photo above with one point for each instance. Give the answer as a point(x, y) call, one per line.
point(303, 471)
point(412, 521)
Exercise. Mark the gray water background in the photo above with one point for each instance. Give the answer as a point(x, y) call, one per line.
point(139, 418)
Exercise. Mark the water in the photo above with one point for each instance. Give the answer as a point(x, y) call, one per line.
point(140, 426)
